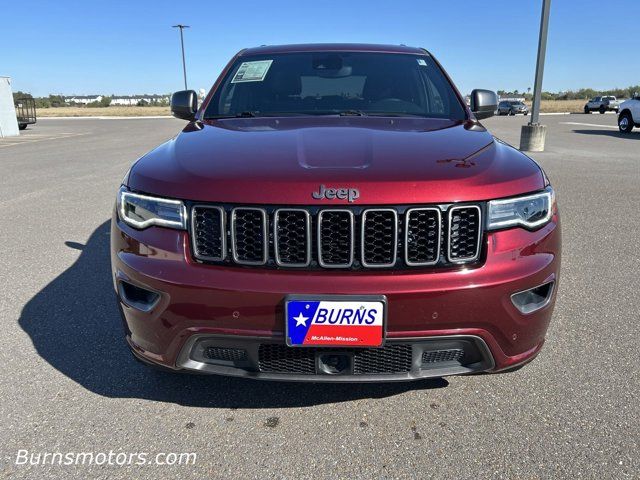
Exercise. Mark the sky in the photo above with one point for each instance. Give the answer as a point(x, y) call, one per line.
point(112, 47)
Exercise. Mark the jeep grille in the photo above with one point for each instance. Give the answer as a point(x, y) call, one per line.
point(402, 237)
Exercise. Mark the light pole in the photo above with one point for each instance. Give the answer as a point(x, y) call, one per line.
point(533, 135)
point(184, 66)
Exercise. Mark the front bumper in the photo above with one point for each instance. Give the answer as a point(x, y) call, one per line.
point(397, 360)
point(241, 308)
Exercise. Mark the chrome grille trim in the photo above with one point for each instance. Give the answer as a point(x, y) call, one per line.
point(395, 238)
point(406, 236)
point(479, 233)
point(223, 236)
point(265, 236)
point(319, 238)
point(276, 215)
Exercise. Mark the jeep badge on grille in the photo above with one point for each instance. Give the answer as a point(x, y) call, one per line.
point(351, 194)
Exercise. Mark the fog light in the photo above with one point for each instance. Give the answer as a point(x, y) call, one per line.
point(137, 297)
point(528, 301)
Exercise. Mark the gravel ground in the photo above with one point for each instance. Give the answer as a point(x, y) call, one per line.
point(69, 384)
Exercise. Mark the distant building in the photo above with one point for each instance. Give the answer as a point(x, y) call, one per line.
point(128, 100)
point(116, 99)
point(83, 99)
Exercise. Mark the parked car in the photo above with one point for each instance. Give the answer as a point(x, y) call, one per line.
point(602, 105)
point(25, 112)
point(509, 107)
point(629, 114)
point(335, 213)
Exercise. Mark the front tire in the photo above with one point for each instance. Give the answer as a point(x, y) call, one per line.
point(22, 126)
point(586, 109)
point(625, 122)
point(511, 113)
point(602, 110)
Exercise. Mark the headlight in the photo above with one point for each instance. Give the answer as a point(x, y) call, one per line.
point(141, 211)
point(530, 211)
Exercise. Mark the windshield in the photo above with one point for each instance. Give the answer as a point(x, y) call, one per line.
point(335, 83)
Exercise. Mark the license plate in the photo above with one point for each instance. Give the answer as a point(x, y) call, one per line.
point(335, 321)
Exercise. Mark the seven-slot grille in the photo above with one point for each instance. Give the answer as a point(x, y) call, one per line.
point(292, 237)
point(379, 242)
point(335, 238)
point(356, 237)
point(249, 236)
point(422, 236)
point(464, 243)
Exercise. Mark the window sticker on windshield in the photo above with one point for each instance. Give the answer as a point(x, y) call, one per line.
point(252, 71)
point(421, 62)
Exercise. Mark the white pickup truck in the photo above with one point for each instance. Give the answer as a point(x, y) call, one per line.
point(602, 104)
point(629, 114)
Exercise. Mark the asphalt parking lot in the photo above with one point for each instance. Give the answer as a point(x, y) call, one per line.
point(68, 383)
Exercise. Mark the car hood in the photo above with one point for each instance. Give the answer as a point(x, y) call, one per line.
point(284, 160)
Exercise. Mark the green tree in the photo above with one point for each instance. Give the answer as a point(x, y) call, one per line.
point(18, 94)
point(102, 103)
point(56, 101)
point(43, 102)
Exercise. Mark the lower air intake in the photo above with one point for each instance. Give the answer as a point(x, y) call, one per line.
point(225, 354)
point(390, 359)
point(277, 358)
point(437, 356)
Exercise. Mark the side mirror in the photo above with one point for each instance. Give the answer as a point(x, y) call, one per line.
point(484, 103)
point(184, 104)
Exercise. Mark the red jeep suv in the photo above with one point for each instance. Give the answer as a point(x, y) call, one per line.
point(335, 213)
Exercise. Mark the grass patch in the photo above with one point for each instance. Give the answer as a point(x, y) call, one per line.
point(103, 112)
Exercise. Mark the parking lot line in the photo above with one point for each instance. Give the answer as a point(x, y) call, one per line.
point(590, 125)
point(13, 141)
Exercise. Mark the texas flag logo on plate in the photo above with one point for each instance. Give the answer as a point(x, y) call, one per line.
point(349, 321)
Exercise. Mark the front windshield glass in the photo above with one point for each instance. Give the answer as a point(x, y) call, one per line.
point(335, 83)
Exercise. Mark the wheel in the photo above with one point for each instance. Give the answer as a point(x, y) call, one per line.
point(586, 109)
point(617, 110)
point(602, 110)
point(526, 113)
point(625, 122)
point(512, 113)
point(22, 126)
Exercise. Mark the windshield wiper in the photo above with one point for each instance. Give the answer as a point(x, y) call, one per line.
point(255, 114)
point(397, 114)
point(245, 114)
point(352, 113)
